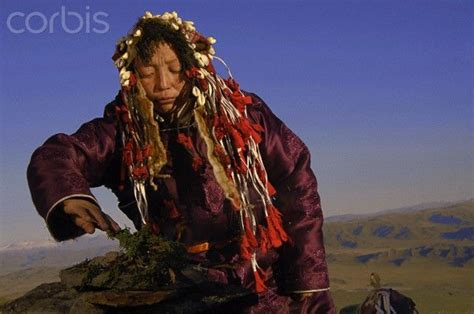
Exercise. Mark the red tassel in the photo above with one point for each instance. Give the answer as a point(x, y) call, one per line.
point(232, 84)
point(219, 151)
point(249, 234)
point(275, 217)
point(224, 121)
point(210, 68)
point(185, 140)
point(197, 163)
point(140, 172)
point(248, 130)
point(240, 101)
point(215, 121)
point(243, 125)
point(139, 156)
point(237, 138)
point(244, 248)
point(256, 130)
point(203, 84)
point(264, 241)
point(260, 172)
point(259, 283)
point(218, 128)
point(192, 72)
point(272, 234)
point(147, 151)
point(127, 154)
point(271, 189)
point(241, 167)
point(219, 132)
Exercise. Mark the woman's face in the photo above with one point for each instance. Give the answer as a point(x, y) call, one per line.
point(162, 77)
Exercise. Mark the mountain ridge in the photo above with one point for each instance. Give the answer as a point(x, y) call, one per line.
point(416, 207)
point(441, 235)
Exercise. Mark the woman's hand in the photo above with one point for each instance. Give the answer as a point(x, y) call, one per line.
point(88, 216)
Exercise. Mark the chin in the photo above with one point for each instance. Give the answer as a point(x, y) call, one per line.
point(164, 108)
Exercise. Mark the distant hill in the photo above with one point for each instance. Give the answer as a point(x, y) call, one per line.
point(444, 234)
point(421, 206)
point(24, 255)
point(15, 284)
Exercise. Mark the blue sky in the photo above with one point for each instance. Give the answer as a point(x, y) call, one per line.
point(381, 91)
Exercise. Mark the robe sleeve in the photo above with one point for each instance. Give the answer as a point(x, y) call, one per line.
point(301, 264)
point(67, 166)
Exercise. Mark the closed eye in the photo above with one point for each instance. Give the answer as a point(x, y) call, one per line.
point(146, 75)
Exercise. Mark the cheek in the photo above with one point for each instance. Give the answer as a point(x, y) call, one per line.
point(179, 83)
point(147, 86)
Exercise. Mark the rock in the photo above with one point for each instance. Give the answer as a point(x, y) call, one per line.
point(154, 275)
point(46, 298)
point(72, 277)
point(128, 298)
point(106, 260)
point(81, 305)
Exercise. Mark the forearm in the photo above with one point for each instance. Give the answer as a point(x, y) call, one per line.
point(66, 166)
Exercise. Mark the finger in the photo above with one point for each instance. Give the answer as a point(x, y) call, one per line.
point(85, 225)
point(76, 210)
point(115, 226)
point(101, 221)
point(81, 214)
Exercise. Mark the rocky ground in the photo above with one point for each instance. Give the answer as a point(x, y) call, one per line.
point(79, 291)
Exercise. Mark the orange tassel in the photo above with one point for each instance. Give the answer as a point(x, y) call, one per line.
point(259, 283)
point(249, 234)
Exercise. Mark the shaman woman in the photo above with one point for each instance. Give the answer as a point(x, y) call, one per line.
point(198, 160)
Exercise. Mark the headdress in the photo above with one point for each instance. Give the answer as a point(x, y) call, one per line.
point(219, 109)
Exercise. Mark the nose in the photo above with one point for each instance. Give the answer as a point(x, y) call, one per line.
point(162, 80)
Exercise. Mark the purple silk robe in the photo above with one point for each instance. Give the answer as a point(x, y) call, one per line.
point(67, 166)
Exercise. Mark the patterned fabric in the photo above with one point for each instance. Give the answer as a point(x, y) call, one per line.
point(70, 165)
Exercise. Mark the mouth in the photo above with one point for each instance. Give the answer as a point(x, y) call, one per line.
point(165, 100)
